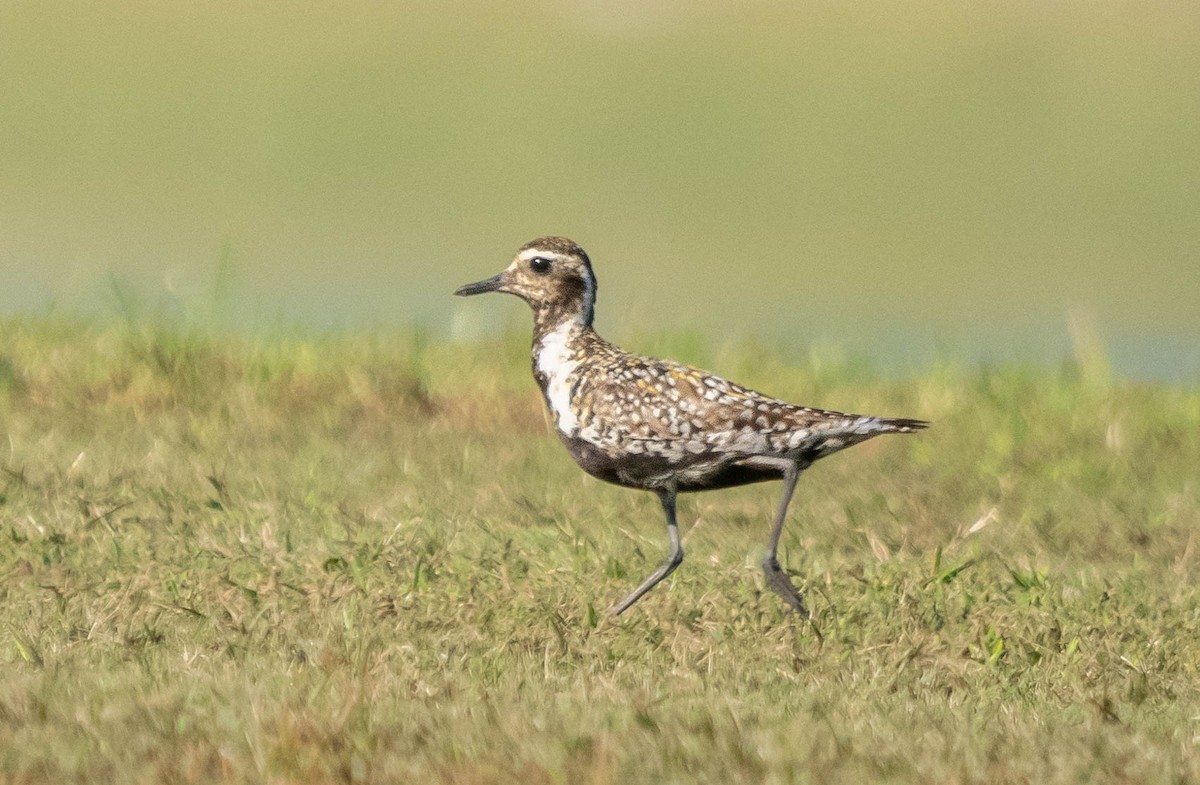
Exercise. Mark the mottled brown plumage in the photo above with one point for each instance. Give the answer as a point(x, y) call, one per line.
point(659, 425)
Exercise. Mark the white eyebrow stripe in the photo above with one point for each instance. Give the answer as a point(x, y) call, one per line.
point(530, 253)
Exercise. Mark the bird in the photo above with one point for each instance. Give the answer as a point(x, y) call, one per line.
point(658, 425)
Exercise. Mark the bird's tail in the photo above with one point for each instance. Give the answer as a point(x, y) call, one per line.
point(900, 425)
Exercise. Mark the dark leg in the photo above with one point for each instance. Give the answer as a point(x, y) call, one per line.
point(777, 579)
point(674, 558)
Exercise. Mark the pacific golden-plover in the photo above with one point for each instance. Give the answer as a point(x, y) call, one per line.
point(658, 425)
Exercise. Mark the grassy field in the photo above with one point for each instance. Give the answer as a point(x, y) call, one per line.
point(366, 558)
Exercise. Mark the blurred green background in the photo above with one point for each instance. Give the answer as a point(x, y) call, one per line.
point(905, 180)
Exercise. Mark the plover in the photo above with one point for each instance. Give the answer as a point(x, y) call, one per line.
point(658, 425)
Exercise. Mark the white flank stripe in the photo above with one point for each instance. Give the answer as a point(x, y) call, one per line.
point(556, 362)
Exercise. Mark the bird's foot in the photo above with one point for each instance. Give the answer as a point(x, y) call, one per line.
point(781, 584)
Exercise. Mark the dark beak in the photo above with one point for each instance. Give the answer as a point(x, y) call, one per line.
point(479, 287)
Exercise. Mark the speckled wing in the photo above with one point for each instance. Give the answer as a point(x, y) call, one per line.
point(637, 404)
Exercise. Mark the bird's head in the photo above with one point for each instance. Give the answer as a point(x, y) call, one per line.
point(553, 275)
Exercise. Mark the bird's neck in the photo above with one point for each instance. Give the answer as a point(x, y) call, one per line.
point(565, 333)
point(561, 319)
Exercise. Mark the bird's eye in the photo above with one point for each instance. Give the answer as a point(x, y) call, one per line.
point(540, 265)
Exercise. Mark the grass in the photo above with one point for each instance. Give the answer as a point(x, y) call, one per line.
point(365, 558)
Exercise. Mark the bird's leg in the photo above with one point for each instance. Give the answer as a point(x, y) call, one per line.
point(674, 558)
point(777, 579)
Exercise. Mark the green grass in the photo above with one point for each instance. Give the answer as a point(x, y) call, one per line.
point(366, 558)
